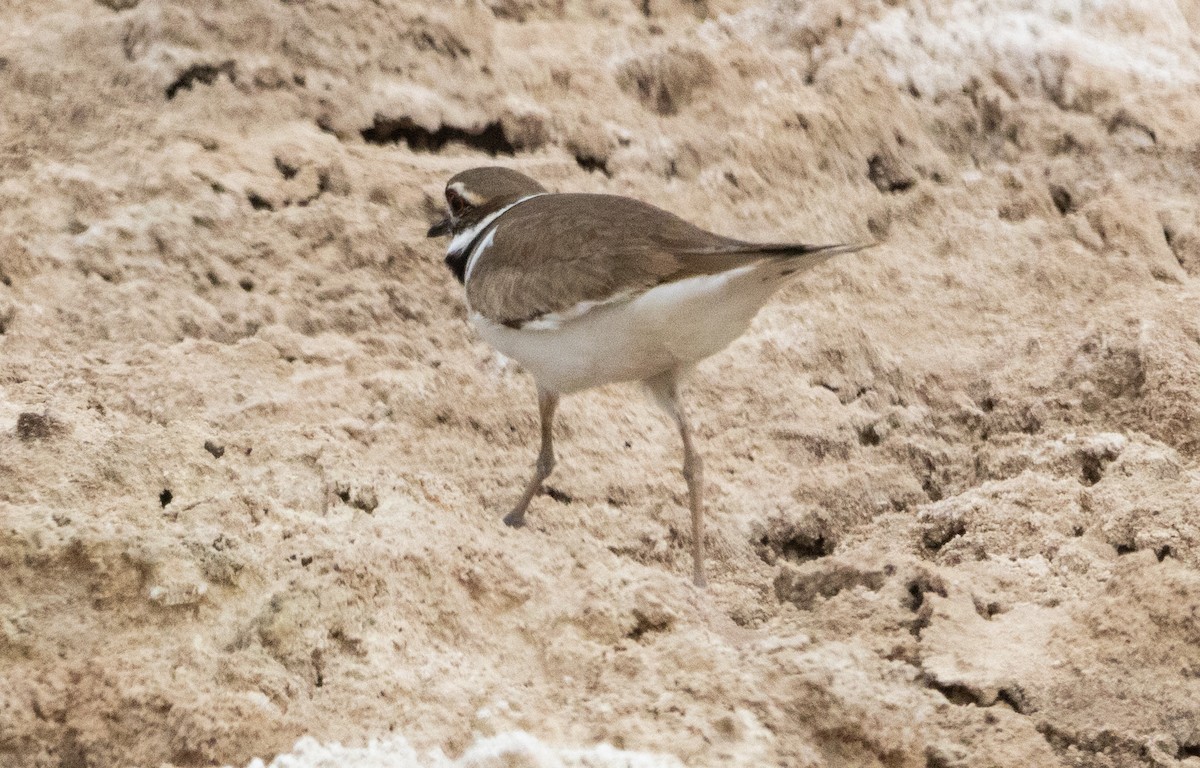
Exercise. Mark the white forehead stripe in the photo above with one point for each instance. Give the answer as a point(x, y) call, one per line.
point(464, 238)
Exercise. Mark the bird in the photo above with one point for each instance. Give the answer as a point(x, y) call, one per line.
point(584, 290)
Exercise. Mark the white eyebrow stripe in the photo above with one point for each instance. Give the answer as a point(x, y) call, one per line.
point(470, 234)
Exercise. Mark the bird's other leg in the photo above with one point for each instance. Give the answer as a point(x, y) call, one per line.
point(666, 390)
point(547, 405)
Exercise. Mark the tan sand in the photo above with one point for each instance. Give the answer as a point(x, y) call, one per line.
point(253, 458)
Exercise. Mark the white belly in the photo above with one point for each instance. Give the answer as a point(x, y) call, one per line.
point(671, 326)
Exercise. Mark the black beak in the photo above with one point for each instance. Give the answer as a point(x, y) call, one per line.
point(439, 229)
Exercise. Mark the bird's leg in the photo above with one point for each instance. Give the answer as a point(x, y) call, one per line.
point(666, 390)
point(547, 404)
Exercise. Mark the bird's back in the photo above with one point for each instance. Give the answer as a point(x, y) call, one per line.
point(553, 252)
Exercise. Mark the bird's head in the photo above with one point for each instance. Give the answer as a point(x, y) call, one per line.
point(472, 195)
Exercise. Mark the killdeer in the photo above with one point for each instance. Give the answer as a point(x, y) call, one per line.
point(585, 289)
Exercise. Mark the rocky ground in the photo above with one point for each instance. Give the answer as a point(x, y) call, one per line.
point(252, 456)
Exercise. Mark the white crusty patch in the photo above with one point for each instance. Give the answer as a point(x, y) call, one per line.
point(507, 748)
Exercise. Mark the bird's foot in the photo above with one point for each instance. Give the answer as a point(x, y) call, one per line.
point(515, 519)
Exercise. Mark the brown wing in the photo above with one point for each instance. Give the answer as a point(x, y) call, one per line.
point(552, 252)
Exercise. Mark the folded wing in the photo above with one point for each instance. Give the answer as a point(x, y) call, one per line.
point(556, 253)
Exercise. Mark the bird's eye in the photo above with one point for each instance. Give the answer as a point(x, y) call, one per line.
point(456, 201)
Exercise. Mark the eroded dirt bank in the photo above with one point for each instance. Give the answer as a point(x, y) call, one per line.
point(252, 457)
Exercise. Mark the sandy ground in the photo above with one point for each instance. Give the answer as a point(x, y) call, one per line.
point(253, 458)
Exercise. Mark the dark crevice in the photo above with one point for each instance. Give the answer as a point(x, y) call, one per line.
point(1169, 237)
point(914, 601)
point(794, 547)
point(964, 695)
point(562, 497)
point(1124, 120)
point(1125, 549)
point(200, 73)
point(165, 497)
point(286, 170)
point(803, 548)
point(1091, 472)
point(490, 138)
point(916, 596)
point(955, 693)
point(935, 759)
point(868, 436)
point(931, 489)
point(919, 587)
point(258, 202)
point(920, 623)
point(589, 164)
point(1062, 199)
point(987, 609)
point(1014, 697)
point(1189, 750)
point(1091, 469)
point(640, 629)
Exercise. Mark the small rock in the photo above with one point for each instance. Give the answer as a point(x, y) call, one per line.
point(889, 173)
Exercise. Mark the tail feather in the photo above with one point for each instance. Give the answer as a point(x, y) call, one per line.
point(780, 250)
point(785, 258)
point(786, 250)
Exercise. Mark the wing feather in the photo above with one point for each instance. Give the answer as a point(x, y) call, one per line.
point(555, 252)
